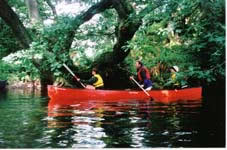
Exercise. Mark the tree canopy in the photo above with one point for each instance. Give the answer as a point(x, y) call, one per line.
point(36, 39)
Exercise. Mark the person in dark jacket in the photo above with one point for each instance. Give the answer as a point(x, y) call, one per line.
point(143, 75)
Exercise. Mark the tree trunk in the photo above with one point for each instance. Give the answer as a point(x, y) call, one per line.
point(129, 23)
point(46, 78)
point(33, 11)
point(125, 31)
point(52, 7)
point(12, 20)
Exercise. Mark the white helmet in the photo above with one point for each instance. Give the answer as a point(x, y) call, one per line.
point(176, 68)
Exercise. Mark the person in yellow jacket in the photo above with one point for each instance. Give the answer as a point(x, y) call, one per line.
point(95, 82)
point(174, 70)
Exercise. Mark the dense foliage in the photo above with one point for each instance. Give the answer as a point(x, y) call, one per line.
point(186, 35)
point(189, 34)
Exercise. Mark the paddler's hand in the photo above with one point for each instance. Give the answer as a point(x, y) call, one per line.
point(131, 77)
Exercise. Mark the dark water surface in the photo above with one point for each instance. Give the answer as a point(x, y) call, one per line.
point(28, 122)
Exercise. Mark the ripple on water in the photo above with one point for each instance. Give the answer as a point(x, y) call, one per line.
point(27, 121)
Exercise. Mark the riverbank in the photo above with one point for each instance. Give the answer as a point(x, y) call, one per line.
point(24, 85)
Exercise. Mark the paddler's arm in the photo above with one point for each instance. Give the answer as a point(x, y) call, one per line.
point(92, 80)
point(134, 76)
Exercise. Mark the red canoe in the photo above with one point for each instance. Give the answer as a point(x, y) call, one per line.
point(164, 96)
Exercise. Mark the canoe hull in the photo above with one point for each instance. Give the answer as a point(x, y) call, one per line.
point(164, 96)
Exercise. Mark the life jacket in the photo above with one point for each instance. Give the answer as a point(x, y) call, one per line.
point(99, 82)
point(173, 78)
point(148, 76)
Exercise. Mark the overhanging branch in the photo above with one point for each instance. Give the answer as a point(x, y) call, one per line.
point(12, 20)
point(81, 19)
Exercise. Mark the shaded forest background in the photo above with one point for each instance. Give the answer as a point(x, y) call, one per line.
point(36, 39)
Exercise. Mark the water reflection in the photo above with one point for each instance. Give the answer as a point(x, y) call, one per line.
point(29, 120)
point(140, 123)
point(21, 115)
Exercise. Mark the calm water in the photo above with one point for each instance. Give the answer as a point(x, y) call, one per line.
point(28, 122)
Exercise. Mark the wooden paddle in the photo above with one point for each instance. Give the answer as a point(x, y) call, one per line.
point(74, 75)
point(141, 87)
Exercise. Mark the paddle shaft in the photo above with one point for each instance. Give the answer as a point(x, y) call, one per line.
point(73, 74)
point(141, 87)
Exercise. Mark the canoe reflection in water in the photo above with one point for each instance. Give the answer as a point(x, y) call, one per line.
point(111, 119)
point(66, 103)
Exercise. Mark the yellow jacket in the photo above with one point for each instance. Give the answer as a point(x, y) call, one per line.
point(173, 77)
point(99, 82)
